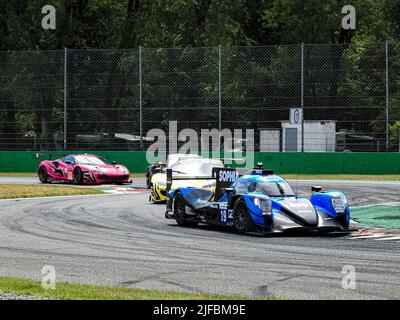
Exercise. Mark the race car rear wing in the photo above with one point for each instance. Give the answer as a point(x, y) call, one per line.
point(224, 178)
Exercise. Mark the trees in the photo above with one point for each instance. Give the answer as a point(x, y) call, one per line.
point(254, 79)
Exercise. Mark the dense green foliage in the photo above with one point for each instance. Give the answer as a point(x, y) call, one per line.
point(349, 78)
point(172, 23)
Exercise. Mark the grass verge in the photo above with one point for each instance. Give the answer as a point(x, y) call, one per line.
point(12, 191)
point(18, 174)
point(68, 291)
point(34, 174)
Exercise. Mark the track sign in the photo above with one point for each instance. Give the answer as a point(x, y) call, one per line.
point(296, 116)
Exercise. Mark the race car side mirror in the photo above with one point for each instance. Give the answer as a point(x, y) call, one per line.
point(114, 163)
point(316, 188)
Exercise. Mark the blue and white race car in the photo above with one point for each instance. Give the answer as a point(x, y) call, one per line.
point(257, 201)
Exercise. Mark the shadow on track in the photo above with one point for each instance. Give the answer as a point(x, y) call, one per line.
point(285, 234)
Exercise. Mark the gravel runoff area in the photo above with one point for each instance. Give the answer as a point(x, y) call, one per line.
point(13, 296)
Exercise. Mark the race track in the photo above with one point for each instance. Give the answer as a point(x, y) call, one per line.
point(125, 241)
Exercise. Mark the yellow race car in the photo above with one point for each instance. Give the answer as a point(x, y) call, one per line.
point(184, 166)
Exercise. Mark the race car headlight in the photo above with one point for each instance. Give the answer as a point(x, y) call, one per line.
point(124, 170)
point(339, 204)
point(264, 204)
point(95, 170)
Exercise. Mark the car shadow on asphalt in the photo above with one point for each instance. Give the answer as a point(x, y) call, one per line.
point(286, 234)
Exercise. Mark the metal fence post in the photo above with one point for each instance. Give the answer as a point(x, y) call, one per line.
point(302, 96)
point(65, 98)
point(140, 100)
point(219, 87)
point(387, 93)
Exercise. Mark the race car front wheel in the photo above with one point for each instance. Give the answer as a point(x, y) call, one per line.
point(78, 176)
point(148, 181)
point(43, 175)
point(241, 217)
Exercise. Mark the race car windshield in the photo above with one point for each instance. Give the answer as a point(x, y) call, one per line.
point(196, 167)
point(274, 189)
point(91, 160)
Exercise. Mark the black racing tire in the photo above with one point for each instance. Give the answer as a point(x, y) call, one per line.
point(148, 181)
point(241, 217)
point(43, 176)
point(78, 176)
point(179, 209)
point(148, 178)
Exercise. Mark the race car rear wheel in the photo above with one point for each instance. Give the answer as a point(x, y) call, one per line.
point(43, 175)
point(241, 217)
point(78, 176)
point(180, 211)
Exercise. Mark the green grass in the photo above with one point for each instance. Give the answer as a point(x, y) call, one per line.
point(138, 175)
point(34, 174)
point(18, 174)
point(11, 191)
point(387, 216)
point(68, 291)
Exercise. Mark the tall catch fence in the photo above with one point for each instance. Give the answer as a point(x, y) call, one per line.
point(303, 97)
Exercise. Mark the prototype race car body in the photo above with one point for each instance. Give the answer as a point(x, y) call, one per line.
point(151, 170)
point(82, 168)
point(258, 201)
point(184, 166)
point(160, 167)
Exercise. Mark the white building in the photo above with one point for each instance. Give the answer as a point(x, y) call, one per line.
point(319, 136)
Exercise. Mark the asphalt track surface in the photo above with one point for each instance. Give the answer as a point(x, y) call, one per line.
point(123, 240)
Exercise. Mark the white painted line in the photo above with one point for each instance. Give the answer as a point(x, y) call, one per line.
point(389, 238)
point(370, 236)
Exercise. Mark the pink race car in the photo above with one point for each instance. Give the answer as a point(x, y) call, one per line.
point(83, 168)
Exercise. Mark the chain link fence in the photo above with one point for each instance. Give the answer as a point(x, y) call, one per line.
point(91, 99)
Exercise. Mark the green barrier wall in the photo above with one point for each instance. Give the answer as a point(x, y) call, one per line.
point(283, 163)
point(26, 161)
